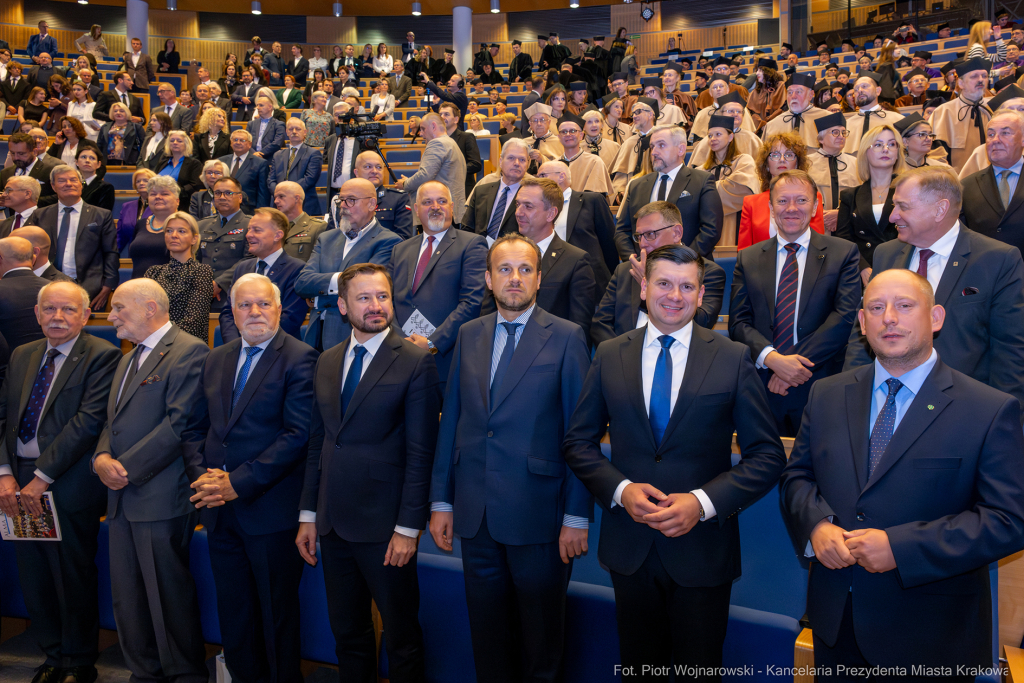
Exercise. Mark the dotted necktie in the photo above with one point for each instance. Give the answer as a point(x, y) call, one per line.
point(885, 423)
point(922, 264)
point(499, 215)
point(339, 161)
point(421, 267)
point(661, 390)
point(663, 188)
point(36, 400)
point(504, 361)
point(355, 373)
point(785, 301)
point(243, 375)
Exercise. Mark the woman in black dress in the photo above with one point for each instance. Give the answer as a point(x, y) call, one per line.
point(214, 139)
point(95, 190)
point(148, 247)
point(168, 59)
point(188, 283)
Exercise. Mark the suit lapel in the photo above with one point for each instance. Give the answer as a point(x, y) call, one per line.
point(886, 210)
point(575, 204)
point(264, 361)
point(358, 250)
point(152, 360)
point(449, 239)
point(642, 193)
point(535, 336)
point(227, 379)
point(34, 361)
point(812, 269)
point(864, 205)
point(550, 261)
point(858, 409)
point(485, 349)
point(766, 268)
point(990, 191)
point(634, 300)
point(955, 266)
point(68, 367)
point(631, 357)
point(682, 180)
point(382, 360)
point(1015, 202)
point(698, 362)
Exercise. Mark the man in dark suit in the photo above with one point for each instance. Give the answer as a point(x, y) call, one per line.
point(15, 87)
point(340, 153)
point(146, 456)
point(21, 200)
point(39, 75)
point(438, 277)
point(521, 67)
point(83, 238)
point(994, 196)
point(466, 141)
point(51, 413)
point(19, 287)
point(302, 230)
point(181, 117)
point(567, 287)
point(88, 79)
point(258, 389)
point(299, 163)
point(358, 239)
point(41, 265)
point(491, 210)
point(376, 399)
point(249, 170)
point(25, 162)
point(409, 47)
point(979, 281)
point(905, 483)
point(139, 66)
point(692, 190)
point(673, 561)
point(531, 518)
point(621, 309)
point(244, 97)
point(587, 223)
point(794, 299)
point(265, 236)
point(119, 93)
point(297, 66)
point(223, 238)
point(266, 131)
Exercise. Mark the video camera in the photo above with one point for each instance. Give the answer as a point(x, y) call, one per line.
point(350, 127)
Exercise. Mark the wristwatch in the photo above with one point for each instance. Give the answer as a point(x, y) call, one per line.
point(431, 348)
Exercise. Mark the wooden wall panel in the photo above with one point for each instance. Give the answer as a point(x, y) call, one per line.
point(12, 12)
point(491, 28)
point(172, 25)
point(650, 45)
point(629, 16)
point(1011, 599)
point(824, 20)
point(330, 31)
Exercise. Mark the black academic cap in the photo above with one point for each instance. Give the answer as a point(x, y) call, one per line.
point(701, 74)
point(568, 117)
point(830, 121)
point(828, 103)
point(972, 22)
point(576, 86)
point(878, 37)
point(873, 75)
point(923, 54)
point(584, 41)
point(907, 124)
point(788, 46)
point(976, 64)
point(822, 44)
point(517, 42)
point(768, 62)
point(672, 66)
point(831, 64)
point(847, 41)
point(651, 81)
point(449, 51)
point(915, 72)
point(1011, 92)
point(948, 66)
point(619, 76)
point(542, 37)
point(686, 60)
point(1002, 13)
point(552, 35)
point(652, 103)
point(719, 121)
point(935, 101)
point(789, 70)
point(718, 77)
point(941, 27)
point(597, 38)
point(733, 96)
point(844, 70)
point(1005, 82)
point(805, 78)
point(493, 45)
point(723, 60)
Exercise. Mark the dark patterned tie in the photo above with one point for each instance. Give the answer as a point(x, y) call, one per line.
point(885, 423)
point(494, 227)
point(62, 236)
point(261, 267)
point(785, 302)
point(36, 400)
point(355, 373)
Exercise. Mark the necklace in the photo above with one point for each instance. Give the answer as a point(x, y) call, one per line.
point(151, 228)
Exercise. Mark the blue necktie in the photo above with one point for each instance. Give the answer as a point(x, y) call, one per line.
point(36, 400)
point(243, 375)
point(885, 423)
point(355, 372)
point(62, 237)
point(504, 361)
point(661, 390)
point(499, 214)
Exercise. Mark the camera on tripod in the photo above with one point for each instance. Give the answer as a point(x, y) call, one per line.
point(350, 127)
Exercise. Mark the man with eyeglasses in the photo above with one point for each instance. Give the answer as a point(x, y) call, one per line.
point(917, 84)
point(629, 160)
point(832, 169)
point(223, 238)
point(870, 113)
point(358, 239)
point(992, 196)
point(28, 162)
point(960, 124)
point(802, 113)
point(621, 309)
point(393, 210)
point(20, 197)
point(795, 307)
point(589, 174)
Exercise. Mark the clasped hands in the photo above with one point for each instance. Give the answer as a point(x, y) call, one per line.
point(673, 514)
point(837, 548)
point(787, 371)
point(31, 496)
point(213, 489)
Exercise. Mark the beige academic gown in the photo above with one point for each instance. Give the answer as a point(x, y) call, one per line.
point(847, 176)
point(746, 143)
point(808, 131)
point(952, 123)
point(855, 124)
point(741, 182)
point(589, 174)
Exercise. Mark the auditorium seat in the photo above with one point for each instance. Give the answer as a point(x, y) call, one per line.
point(218, 338)
point(106, 332)
point(728, 265)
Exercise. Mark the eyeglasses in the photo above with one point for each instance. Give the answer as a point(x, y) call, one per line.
point(650, 235)
point(885, 145)
point(570, 132)
point(788, 156)
point(923, 136)
point(351, 201)
point(224, 193)
point(839, 133)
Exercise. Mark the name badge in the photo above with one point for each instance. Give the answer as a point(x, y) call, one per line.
point(202, 245)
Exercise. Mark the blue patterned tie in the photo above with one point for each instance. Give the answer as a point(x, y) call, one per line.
point(661, 390)
point(355, 373)
point(243, 375)
point(499, 215)
point(36, 400)
point(885, 423)
point(504, 361)
point(785, 301)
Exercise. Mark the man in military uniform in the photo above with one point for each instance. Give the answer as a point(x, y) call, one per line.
point(222, 237)
point(303, 229)
point(393, 210)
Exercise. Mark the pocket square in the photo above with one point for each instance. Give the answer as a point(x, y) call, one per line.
point(684, 194)
point(152, 379)
point(969, 291)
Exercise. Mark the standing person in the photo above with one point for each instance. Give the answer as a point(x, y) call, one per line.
point(51, 413)
point(121, 92)
point(223, 242)
point(201, 205)
point(385, 390)
point(168, 59)
point(673, 561)
point(299, 163)
point(147, 454)
point(443, 161)
point(521, 68)
point(139, 66)
point(531, 521)
point(259, 388)
point(466, 141)
point(244, 97)
point(176, 161)
point(42, 42)
point(297, 66)
point(265, 131)
point(181, 117)
point(249, 170)
point(19, 291)
point(188, 283)
point(213, 140)
point(409, 47)
point(275, 65)
point(896, 548)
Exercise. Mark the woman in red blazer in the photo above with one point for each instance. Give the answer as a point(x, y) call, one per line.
point(779, 153)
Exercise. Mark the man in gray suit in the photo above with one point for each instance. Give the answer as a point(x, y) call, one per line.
point(399, 85)
point(358, 239)
point(181, 117)
point(147, 455)
point(442, 161)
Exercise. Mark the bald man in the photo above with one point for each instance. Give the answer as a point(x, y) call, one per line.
point(41, 265)
point(393, 206)
point(18, 289)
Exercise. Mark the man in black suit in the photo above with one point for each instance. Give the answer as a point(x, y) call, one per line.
point(906, 481)
point(979, 281)
point(376, 400)
point(148, 452)
point(567, 287)
point(794, 299)
point(994, 196)
point(18, 289)
point(244, 97)
point(621, 309)
point(121, 92)
point(491, 208)
point(530, 516)
point(265, 239)
point(83, 237)
point(15, 87)
point(690, 189)
point(20, 198)
point(258, 389)
point(51, 413)
point(466, 141)
point(438, 277)
point(25, 162)
point(41, 265)
point(297, 66)
point(585, 222)
point(249, 170)
point(672, 562)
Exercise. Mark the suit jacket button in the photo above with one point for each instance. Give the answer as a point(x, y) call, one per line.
point(224, 445)
point(490, 434)
point(657, 458)
point(337, 445)
point(860, 516)
point(115, 433)
point(869, 245)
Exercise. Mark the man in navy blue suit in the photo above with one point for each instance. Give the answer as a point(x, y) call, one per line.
point(259, 389)
point(438, 276)
point(905, 482)
point(265, 236)
point(522, 516)
point(299, 163)
point(249, 170)
point(674, 393)
point(371, 446)
point(266, 131)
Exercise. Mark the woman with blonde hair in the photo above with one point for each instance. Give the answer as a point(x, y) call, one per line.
point(214, 137)
point(595, 141)
point(475, 125)
point(977, 42)
point(177, 162)
point(879, 160)
point(735, 173)
point(188, 283)
point(92, 42)
point(629, 65)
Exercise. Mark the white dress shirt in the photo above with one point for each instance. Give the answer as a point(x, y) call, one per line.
point(70, 268)
point(668, 186)
point(155, 144)
point(26, 214)
point(423, 243)
point(680, 351)
point(144, 349)
point(27, 170)
point(943, 249)
point(67, 155)
point(804, 241)
point(135, 58)
point(563, 215)
point(544, 244)
point(41, 269)
point(270, 260)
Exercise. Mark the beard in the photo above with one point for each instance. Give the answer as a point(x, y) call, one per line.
point(367, 327)
point(515, 304)
point(436, 223)
point(864, 101)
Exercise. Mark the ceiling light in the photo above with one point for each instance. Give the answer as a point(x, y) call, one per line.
point(417, 9)
point(495, 6)
point(172, 5)
point(574, 3)
point(337, 9)
point(256, 7)
point(83, 2)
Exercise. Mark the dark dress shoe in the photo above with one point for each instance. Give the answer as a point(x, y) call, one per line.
point(47, 674)
point(78, 674)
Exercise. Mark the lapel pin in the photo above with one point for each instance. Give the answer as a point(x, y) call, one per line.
point(956, 263)
point(821, 257)
point(931, 407)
